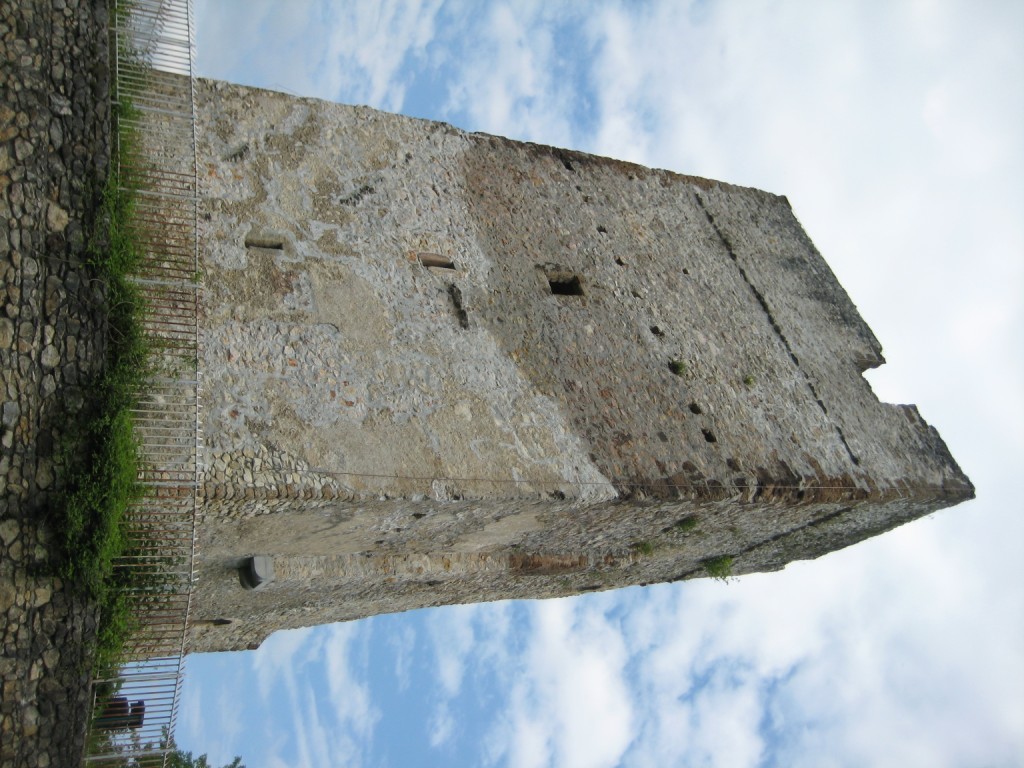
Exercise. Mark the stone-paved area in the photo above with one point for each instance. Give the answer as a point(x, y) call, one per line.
point(54, 150)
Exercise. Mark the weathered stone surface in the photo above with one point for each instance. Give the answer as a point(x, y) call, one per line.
point(445, 367)
point(56, 218)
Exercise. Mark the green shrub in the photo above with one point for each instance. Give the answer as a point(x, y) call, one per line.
point(686, 524)
point(644, 547)
point(100, 453)
point(718, 567)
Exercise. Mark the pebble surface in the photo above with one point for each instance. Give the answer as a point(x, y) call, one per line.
point(54, 152)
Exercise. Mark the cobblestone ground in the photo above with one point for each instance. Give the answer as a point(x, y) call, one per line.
point(54, 150)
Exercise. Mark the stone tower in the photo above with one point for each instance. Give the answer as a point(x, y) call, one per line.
point(444, 367)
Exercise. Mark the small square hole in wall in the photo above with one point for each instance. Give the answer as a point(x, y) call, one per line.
point(566, 286)
point(562, 281)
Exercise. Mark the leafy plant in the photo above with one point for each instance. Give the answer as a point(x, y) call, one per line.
point(100, 453)
point(644, 547)
point(718, 567)
point(182, 759)
point(686, 524)
point(678, 367)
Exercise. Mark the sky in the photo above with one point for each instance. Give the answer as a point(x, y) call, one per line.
point(896, 130)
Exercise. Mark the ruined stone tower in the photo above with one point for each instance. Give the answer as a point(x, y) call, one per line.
point(443, 367)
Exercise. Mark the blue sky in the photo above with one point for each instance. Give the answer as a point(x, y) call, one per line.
point(895, 129)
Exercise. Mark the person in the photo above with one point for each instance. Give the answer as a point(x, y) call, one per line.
point(118, 715)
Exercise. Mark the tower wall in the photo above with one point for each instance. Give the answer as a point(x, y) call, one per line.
point(444, 367)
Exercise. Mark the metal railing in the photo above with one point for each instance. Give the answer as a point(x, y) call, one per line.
point(152, 53)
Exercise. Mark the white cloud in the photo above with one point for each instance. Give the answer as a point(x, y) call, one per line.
point(827, 661)
point(452, 636)
point(192, 710)
point(278, 657)
point(292, 669)
point(842, 660)
point(316, 49)
point(404, 644)
point(895, 131)
point(570, 704)
point(368, 44)
point(253, 42)
point(511, 83)
point(353, 714)
point(212, 716)
point(442, 725)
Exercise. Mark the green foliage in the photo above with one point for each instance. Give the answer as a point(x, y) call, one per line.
point(644, 547)
point(718, 567)
point(181, 759)
point(101, 486)
point(748, 380)
point(117, 622)
point(686, 524)
point(101, 453)
point(678, 367)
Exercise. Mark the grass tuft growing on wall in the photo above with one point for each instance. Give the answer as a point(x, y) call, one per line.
point(645, 548)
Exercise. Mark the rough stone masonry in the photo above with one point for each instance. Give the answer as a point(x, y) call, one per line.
point(54, 153)
point(443, 367)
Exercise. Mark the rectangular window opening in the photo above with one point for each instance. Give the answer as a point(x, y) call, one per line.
point(273, 242)
point(565, 285)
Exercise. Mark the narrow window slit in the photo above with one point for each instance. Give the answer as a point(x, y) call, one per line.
point(460, 311)
point(273, 242)
point(435, 260)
